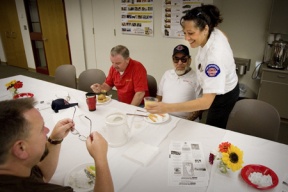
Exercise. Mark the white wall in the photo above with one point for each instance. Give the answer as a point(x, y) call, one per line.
point(245, 23)
point(88, 35)
point(154, 52)
point(25, 33)
point(75, 32)
point(2, 55)
point(104, 25)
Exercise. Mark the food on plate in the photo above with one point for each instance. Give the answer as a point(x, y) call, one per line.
point(102, 98)
point(152, 117)
point(259, 179)
point(82, 179)
point(103, 91)
point(90, 172)
point(156, 117)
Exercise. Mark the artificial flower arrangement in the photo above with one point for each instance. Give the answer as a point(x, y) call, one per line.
point(13, 86)
point(230, 156)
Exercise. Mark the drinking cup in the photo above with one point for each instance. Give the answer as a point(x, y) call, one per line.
point(91, 101)
point(148, 100)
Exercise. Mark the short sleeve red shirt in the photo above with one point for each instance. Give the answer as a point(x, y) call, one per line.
point(134, 79)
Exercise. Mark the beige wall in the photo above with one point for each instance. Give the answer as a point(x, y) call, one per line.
point(246, 25)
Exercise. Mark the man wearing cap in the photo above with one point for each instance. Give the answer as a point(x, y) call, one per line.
point(181, 80)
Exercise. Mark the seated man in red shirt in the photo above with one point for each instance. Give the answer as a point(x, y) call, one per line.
point(127, 75)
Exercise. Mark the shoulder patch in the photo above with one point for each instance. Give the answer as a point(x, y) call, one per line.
point(212, 70)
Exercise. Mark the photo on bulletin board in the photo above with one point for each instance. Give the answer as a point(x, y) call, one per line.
point(172, 11)
point(137, 17)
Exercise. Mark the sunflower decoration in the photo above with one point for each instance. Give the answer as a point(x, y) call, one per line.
point(13, 86)
point(230, 156)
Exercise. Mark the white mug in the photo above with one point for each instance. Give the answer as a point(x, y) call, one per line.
point(117, 129)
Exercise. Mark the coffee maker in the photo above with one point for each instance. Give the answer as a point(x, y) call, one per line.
point(279, 55)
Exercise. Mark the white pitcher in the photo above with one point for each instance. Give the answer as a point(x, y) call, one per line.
point(117, 129)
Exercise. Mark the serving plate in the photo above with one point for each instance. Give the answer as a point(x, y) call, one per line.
point(108, 99)
point(158, 118)
point(23, 95)
point(245, 172)
point(78, 180)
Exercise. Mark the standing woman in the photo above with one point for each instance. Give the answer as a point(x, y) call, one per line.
point(215, 67)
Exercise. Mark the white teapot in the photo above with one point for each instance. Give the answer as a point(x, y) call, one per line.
point(117, 129)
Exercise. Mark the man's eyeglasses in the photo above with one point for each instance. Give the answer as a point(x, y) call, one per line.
point(177, 59)
point(76, 132)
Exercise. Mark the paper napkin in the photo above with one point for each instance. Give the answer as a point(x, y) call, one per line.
point(141, 153)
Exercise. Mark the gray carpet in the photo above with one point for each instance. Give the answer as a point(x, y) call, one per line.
point(7, 71)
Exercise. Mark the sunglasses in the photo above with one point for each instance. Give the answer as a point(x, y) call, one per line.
point(177, 59)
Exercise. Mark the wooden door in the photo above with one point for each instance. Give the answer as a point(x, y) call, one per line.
point(54, 33)
point(11, 35)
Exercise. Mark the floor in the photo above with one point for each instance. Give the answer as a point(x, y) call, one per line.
point(7, 71)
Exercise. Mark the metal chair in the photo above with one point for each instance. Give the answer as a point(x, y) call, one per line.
point(152, 85)
point(66, 75)
point(256, 118)
point(89, 77)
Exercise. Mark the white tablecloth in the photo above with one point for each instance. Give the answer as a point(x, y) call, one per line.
point(129, 176)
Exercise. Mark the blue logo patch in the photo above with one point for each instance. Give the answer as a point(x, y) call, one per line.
point(212, 70)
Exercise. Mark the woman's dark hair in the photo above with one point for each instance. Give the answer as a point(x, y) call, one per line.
point(202, 16)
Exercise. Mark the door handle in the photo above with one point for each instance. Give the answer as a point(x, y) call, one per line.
point(13, 35)
point(281, 76)
point(7, 34)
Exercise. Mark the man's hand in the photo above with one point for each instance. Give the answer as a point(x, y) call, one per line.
point(96, 88)
point(97, 147)
point(61, 129)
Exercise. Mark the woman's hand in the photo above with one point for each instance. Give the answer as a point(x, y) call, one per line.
point(156, 107)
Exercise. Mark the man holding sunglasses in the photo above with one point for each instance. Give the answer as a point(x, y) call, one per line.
point(180, 80)
point(28, 160)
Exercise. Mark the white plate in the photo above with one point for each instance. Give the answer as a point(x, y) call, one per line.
point(158, 119)
point(108, 100)
point(77, 179)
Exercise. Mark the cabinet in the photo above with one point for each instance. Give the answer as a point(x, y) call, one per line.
point(279, 16)
point(274, 89)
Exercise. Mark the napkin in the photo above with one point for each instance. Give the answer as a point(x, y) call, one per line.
point(154, 134)
point(141, 153)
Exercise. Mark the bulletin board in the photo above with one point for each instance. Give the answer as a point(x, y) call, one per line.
point(172, 11)
point(137, 17)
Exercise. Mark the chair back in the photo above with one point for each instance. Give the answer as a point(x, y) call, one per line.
point(152, 85)
point(89, 77)
point(256, 118)
point(66, 75)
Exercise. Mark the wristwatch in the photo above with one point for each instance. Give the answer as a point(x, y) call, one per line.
point(54, 142)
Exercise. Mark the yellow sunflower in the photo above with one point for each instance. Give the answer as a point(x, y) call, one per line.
point(10, 83)
point(233, 158)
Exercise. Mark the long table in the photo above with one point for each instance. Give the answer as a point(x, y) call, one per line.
point(129, 176)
